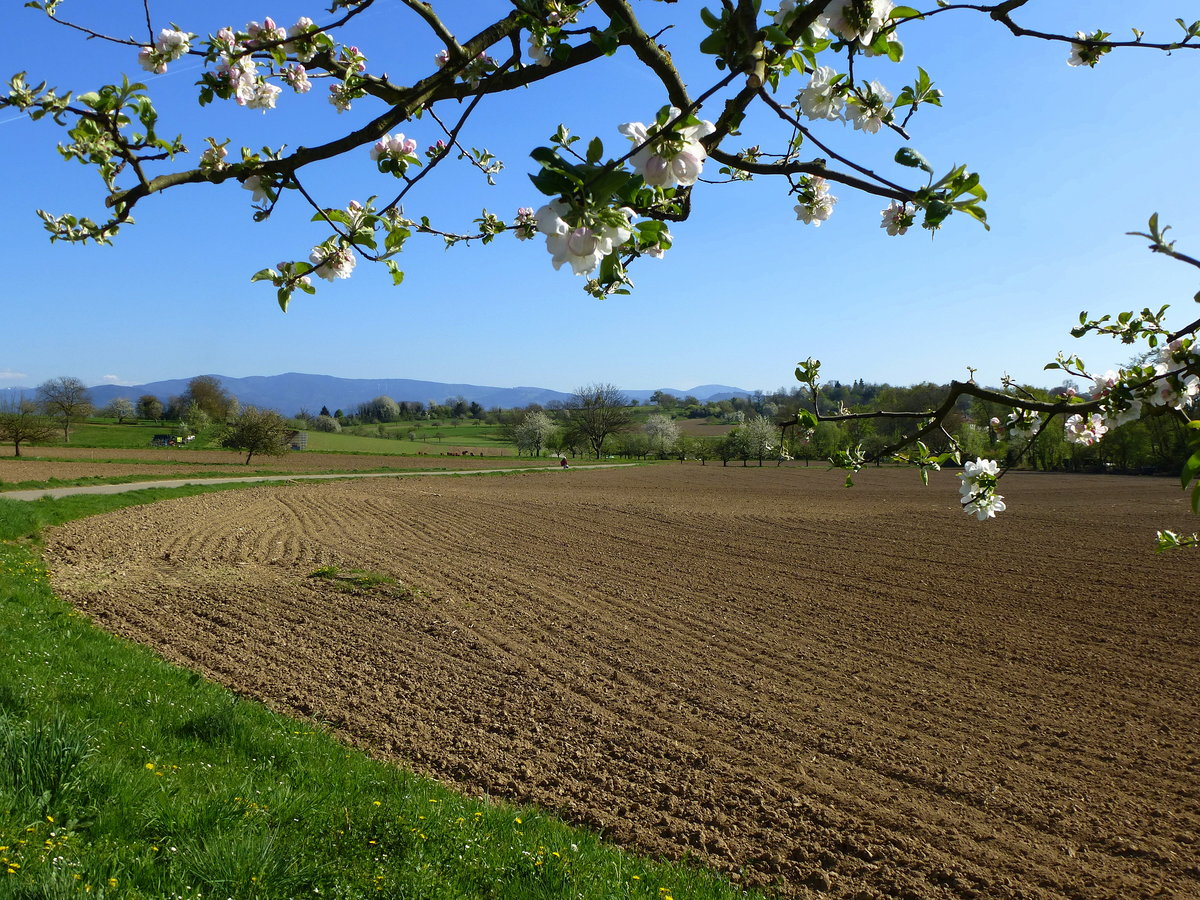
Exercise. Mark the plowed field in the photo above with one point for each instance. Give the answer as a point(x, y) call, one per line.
point(862, 693)
point(65, 463)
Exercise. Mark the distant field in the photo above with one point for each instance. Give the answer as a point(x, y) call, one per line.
point(473, 438)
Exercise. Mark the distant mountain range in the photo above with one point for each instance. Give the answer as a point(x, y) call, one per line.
point(294, 391)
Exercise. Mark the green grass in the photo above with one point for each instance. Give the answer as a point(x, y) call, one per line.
point(124, 776)
point(477, 438)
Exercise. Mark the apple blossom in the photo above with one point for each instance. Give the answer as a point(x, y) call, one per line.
point(332, 263)
point(264, 33)
point(296, 78)
point(537, 50)
point(897, 218)
point(340, 96)
point(816, 203)
point(581, 245)
point(668, 158)
point(441, 57)
point(869, 109)
point(823, 97)
point(263, 97)
point(525, 223)
point(213, 160)
point(170, 46)
point(299, 45)
point(978, 490)
point(858, 20)
point(255, 184)
point(1085, 431)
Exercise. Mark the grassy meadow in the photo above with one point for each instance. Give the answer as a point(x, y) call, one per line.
point(124, 776)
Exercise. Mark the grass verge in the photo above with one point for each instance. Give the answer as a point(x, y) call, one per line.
point(124, 776)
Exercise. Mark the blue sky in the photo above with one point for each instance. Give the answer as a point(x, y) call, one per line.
point(1072, 159)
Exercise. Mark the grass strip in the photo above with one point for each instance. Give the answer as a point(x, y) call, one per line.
point(124, 776)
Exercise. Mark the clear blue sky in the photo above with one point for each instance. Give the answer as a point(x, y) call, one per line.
point(1072, 159)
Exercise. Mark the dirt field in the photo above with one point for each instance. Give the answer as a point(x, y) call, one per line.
point(858, 693)
point(85, 462)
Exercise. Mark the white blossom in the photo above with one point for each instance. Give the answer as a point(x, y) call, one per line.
point(846, 20)
point(332, 263)
point(822, 99)
point(870, 110)
point(255, 184)
point(816, 203)
point(583, 246)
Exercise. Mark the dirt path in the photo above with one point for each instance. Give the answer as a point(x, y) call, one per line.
point(859, 693)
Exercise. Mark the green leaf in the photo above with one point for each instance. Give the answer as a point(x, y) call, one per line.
point(905, 12)
point(907, 156)
point(263, 275)
point(595, 150)
point(285, 297)
point(1190, 468)
point(394, 268)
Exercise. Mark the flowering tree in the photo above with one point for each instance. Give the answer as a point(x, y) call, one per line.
point(533, 432)
point(662, 432)
point(782, 81)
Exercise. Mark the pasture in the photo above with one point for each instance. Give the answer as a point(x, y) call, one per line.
point(862, 693)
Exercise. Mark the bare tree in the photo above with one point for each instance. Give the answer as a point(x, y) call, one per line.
point(598, 410)
point(66, 399)
point(20, 421)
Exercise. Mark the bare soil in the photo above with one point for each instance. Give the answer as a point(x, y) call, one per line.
point(66, 463)
point(861, 693)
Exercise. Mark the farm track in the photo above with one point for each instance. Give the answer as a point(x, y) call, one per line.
point(860, 693)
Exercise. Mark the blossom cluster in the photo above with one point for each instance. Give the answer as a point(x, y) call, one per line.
point(582, 240)
point(239, 76)
point(170, 46)
point(393, 154)
point(829, 96)
point(669, 153)
point(898, 217)
point(816, 203)
point(850, 20)
point(978, 490)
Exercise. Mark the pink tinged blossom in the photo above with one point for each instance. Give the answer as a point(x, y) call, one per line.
point(263, 96)
point(582, 246)
point(897, 218)
point(526, 223)
point(1085, 431)
point(1105, 383)
point(150, 61)
point(675, 160)
point(296, 78)
point(441, 57)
